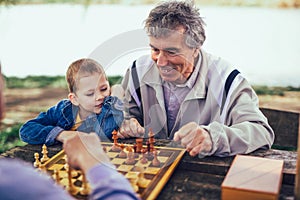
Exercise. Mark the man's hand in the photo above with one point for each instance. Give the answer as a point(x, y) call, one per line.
point(131, 128)
point(194, 138)
point(84, 151)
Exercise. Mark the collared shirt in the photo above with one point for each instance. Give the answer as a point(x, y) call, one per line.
point(175, 94)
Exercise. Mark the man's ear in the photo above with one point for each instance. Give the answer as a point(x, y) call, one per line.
point(72, 97)
point(196, 52)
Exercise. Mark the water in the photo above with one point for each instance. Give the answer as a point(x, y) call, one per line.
point(263, 43)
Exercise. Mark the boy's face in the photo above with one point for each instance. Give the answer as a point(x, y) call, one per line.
point(90, 94)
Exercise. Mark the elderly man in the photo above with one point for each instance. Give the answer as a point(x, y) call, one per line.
point(183, 93)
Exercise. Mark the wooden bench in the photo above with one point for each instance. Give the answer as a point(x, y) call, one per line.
point(286, 127)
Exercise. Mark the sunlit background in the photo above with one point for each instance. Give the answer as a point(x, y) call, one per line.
point(260, 38)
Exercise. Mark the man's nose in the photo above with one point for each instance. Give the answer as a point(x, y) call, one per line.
point(162, 59)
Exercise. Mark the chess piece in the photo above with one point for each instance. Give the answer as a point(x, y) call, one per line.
point(56, 176)
point(37, 162)
point(142, 181)
point(44, 152)
point(144, 159)
point(84, 190)
point(133, 179)
point(136, 155)
point(149, 154)
point(155, 161)
point(104, 149)
point(151, 141)
point(66, 165)
point(122, 152)
point(70, 187)
point(139, 145)
point(130, 158)
point(115, 147)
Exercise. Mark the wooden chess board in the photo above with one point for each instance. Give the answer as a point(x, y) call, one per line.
point(157, 176)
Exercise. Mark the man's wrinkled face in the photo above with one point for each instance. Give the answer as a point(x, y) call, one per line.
point(174, 59)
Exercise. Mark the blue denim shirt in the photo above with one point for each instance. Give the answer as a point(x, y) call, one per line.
point(47, 125)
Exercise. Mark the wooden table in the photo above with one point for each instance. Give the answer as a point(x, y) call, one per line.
point(194, 178)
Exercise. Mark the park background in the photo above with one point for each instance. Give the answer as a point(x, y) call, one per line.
point(39, 39)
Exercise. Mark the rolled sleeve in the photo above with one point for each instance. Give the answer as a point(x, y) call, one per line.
point(51, 137)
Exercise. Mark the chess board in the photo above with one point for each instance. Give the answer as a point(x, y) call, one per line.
point(57, 164)
point(157, 176)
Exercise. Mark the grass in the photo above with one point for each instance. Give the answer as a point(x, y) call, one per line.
point(266, 90)
point(9, 138)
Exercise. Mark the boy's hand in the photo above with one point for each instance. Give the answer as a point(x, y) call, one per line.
point(131, 128)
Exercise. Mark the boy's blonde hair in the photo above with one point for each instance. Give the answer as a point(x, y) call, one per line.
point(79, 68)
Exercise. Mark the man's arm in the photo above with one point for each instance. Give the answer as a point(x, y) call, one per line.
point(84, 151)
point(245, 128)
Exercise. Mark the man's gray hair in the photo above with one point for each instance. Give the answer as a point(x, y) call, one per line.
point(170, 15)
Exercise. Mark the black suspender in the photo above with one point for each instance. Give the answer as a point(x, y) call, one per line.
point(136, 81)
point(228, 83)
point(229, 80)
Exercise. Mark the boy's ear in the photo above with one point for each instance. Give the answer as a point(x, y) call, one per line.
point(72, 97)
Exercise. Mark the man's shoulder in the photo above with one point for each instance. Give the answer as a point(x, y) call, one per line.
point(143, 65)
point(144, 60)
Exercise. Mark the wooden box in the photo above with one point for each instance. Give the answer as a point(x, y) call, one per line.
point(252, 177)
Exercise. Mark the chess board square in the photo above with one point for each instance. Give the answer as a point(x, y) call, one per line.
point(143, 164)
point(56, 167)
point(118, 161)
point(125, 168)
point(65, 181)
point(113, 154)
point(131, 175)
point(165, 153)
point(152, 170)
point(162, 159)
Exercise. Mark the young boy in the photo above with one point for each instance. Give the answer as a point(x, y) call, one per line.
point(89, 108)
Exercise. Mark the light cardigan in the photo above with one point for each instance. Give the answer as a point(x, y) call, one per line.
point(236, 125)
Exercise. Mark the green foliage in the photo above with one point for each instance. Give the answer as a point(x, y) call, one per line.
point(265, 90)
point(9, 137)
point(114, 80)
point(46, 81)
point(8, 2)
point(36, 82)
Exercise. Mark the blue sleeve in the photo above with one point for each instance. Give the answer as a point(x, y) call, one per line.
point(107, 183)
point(113, 115)
point(45, 127)
point(19, 180)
